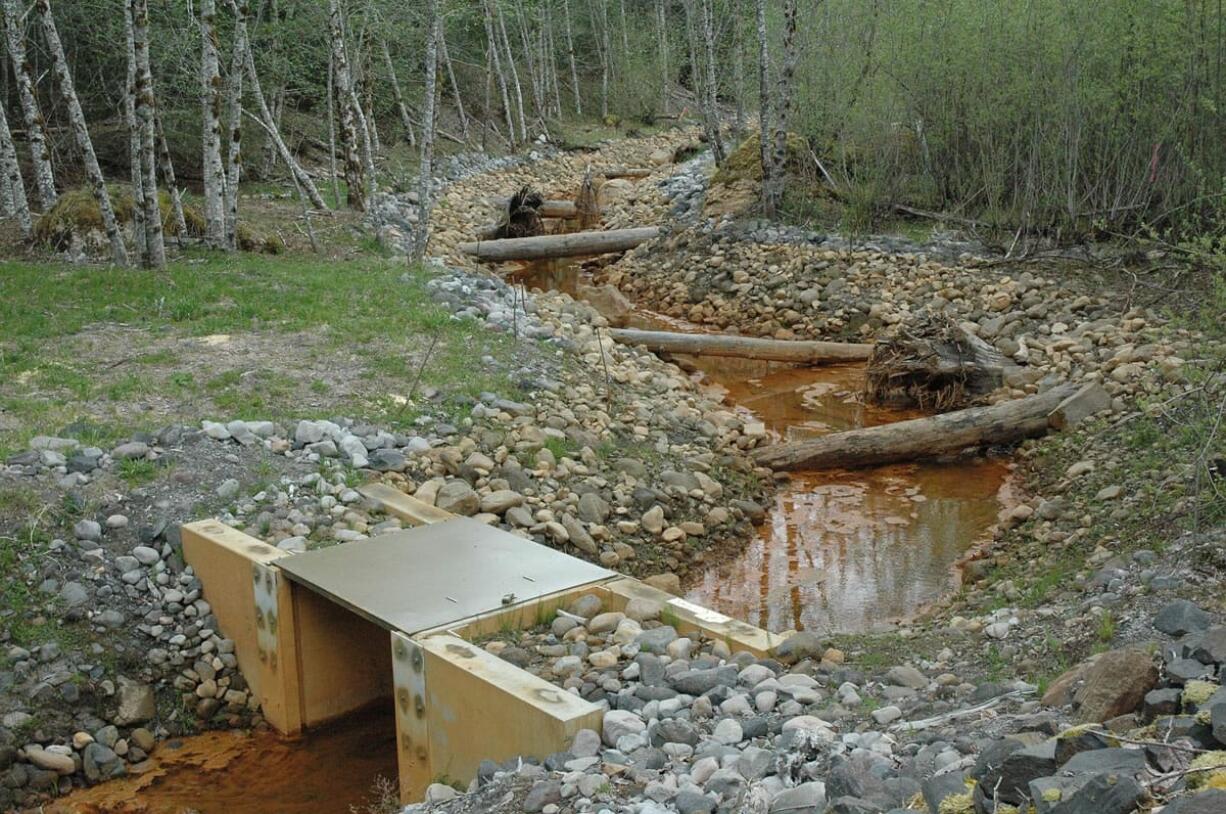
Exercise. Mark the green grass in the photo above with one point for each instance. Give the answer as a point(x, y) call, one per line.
point(376, 307)
point(136, 472)
point(561, 447)
point(1104, 630)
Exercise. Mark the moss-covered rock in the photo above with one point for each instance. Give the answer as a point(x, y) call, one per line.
point(77, 212)
point(1208, 771)
point(1197, 692)
point(745, 162)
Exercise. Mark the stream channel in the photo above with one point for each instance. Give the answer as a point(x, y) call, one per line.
point(840, 551)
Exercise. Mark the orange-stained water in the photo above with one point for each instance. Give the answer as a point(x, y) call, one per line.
point(322, 772)
point(840, 551)
point(845, 551)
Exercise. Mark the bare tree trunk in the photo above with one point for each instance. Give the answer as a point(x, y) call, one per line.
point(40, 152)
point(434, 34)
point(492, 38)
point(368, 149)
point(336, 184)
point(621, 10)
point(168, 175)
point(343, 89)
point(365, 131)
point(455, 86)
point(76, 117)
point(214, 172)
point(708, 37)
point(269, 123)
point(772, 187)
point(234, 124)
point(519, 93)
point(368, 107)
point(602, 50)
point(764, 100)
point(136, 172)
point(738, 72)
point(570, 55)
point(270, 152)
point(155, 256)
point(662, 49)
point(538, 104)
point(405, 119)
point(551, 53)
point(710, 121)
point(7, 206)
point(12, 176)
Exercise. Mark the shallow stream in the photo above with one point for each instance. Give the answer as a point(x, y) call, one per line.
point(840, 551)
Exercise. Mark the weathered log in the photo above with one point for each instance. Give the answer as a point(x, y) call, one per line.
point(1004, 423)
point(577, 244)
point(625, 172)
point(746, 347)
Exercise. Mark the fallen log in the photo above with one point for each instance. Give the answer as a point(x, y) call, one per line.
point(577, 244)
point(746, 347)
point(1004, 423)
point(625, 172)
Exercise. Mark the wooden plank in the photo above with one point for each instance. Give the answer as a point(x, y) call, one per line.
point(412, 727)
point(802, 352)
point(1004, 423)
point(522, 615)
point(576, 244)
point(408, 508)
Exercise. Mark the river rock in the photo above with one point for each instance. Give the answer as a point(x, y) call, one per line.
point(1181, 617)
point(136, 703)
point(457, 497)
point(1115, 684)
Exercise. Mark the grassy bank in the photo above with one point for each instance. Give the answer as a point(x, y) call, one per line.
point(226, 337)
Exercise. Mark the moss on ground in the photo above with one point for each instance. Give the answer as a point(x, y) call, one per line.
point(77, 213)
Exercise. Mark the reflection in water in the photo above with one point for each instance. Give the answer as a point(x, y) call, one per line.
point(323, 772)
point(844, 551)
point(841, 551)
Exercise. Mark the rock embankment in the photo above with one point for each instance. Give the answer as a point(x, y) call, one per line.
point(1055, 330)
point(693, 727)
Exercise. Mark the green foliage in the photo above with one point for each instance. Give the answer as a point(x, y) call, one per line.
point(1041, 112)
point(136, 472)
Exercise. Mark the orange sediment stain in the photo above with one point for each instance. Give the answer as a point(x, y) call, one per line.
point(230, 772)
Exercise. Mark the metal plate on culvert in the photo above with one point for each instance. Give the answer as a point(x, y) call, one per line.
point(434, 575)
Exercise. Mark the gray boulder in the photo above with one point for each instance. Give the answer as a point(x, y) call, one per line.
point(1182, 617)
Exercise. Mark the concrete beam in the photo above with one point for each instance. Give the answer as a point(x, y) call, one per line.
point(409, 509)
point(690, 618)
point(254, 608)
point(479, 707)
